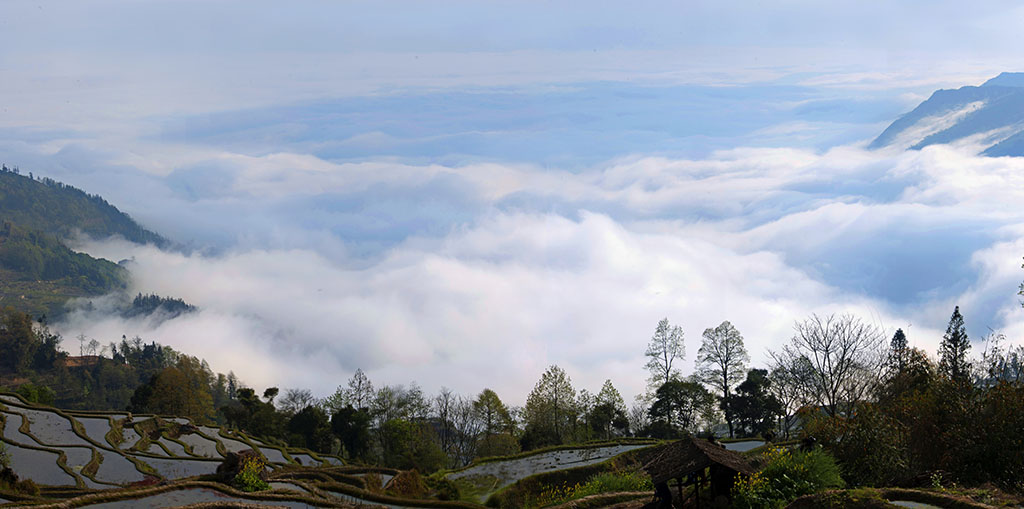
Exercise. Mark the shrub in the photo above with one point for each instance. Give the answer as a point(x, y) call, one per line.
point(444, 489)
point(250, 475)
point(786, 476)
point(5, 459)
point(605, 482)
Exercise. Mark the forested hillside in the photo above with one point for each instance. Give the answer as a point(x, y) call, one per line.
point(52, 207)
point(38, 274)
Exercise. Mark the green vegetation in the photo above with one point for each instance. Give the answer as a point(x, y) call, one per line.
point(606, 482)
point(785, 476)
point(143, 305)
point(39, 274)
point(57, 209)
point(250, 475)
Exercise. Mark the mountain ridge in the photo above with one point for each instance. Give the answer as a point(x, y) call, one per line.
point(990, 115)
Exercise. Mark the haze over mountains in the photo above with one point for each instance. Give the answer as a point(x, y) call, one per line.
point(990, 116)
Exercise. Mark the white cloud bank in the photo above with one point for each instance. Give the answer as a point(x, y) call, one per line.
point(760, 237)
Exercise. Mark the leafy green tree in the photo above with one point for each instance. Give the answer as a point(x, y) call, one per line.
point(550, 411)
point(753, 406)
point(359, 393)
point(410, 445)
point(180, 390)
point(678, 406)
point(721, 361)
point(40, 394)
point(666, 346)
point(953, 349)
point(491, 412)
point(311, 428)
point(352, 427)
point(607, 417)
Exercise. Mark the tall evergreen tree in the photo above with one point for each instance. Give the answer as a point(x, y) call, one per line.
point(953, 349)
point(898, 351)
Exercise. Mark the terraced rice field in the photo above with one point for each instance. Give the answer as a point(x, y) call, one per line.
point(305, 459)
point(173, 447)
point(288, 486)
point(117, 469)
point(743, 446)
point(177, 468)
point(507, 472)
point(96, 428)
point(273, 455)
point(51, 430)
point(40, 466)
point(201, 446)
point(179, 498)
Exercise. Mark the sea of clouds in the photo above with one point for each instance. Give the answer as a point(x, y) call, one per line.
point(435, 194)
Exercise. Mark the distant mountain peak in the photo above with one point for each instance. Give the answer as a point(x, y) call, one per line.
point(1006, 79)
point(989, 117)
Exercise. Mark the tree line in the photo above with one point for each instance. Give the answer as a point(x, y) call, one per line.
point(885, 409)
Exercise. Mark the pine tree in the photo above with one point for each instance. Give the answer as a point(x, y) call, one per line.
point(953, 349)
point(898, 351)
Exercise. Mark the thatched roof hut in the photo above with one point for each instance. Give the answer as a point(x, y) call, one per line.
point(694, 461)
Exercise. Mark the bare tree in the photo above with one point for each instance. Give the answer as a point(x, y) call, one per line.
point(665, 347)
point(444, 408)
point(789, 379)
point(468, 427)
point(638, 417)
point(844, 357)
point(293, 400)
point(722, 361)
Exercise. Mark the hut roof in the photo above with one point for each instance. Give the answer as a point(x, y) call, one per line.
point(684, 457)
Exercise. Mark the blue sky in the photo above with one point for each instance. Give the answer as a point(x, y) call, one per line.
point(463, 193)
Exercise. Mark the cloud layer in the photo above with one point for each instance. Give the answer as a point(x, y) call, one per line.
point(577, 268)
point(442, 194)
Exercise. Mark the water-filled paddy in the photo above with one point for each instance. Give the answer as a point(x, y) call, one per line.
point(117, 469)
point(359, 501)
point(76, 456)
point(175, 448)
point(131, 437)
point(190, 496)
point(743, 446)
point(279, 485)
point(305, 459)
point(510, 471)
point(155, 449)
point(233, 445)
point(913, 505)
point(180, 468)
point(273, 455)
point(51, 428)
point(201, 446)
point(11, 424)
point(40, 466)
point(96, 428)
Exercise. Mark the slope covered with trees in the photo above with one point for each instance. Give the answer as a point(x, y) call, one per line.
point(38, 274)
point(61, 210)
